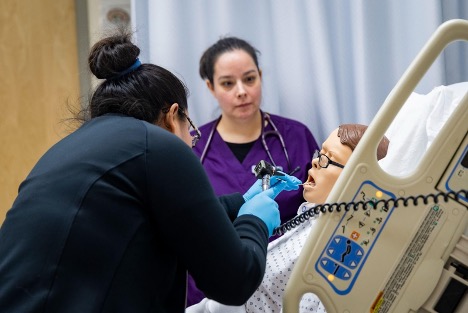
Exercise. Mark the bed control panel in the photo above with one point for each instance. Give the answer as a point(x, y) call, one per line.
point(357, 232)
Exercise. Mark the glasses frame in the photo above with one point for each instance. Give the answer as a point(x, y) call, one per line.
point(318, 155)
point(197, 135)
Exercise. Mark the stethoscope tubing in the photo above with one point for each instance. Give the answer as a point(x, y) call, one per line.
point(265, 117)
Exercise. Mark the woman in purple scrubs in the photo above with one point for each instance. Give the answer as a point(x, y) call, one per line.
point(243, 135)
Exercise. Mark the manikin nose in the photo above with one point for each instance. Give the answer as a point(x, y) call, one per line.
point(315, 163)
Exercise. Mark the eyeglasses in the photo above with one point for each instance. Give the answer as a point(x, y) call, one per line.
point(197, 134)
point(324, 161)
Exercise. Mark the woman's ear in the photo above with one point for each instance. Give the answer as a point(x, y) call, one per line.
point(210, 86)
point(169, 120)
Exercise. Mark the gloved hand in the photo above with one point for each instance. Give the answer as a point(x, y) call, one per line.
point(264, 207)
point(287, 182)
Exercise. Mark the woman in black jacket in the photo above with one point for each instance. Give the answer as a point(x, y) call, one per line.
point(112, 217)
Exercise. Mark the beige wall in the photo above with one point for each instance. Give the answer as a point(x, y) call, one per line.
point(38, 76)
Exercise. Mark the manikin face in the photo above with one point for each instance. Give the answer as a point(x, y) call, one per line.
point(321, 180)
point(237, 85)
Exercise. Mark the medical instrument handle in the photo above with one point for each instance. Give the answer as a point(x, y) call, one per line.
point(264, 170)
point(265, 182)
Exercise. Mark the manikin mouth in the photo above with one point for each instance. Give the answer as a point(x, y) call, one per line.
point(310, 181)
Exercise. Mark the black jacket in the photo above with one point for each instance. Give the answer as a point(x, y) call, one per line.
point(111, 218)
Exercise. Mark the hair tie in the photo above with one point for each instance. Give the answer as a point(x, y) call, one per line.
point(128, 70)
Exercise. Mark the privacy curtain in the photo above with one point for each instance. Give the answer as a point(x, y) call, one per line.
point(324, 62)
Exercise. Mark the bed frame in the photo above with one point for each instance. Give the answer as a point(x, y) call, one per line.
point(389, 255)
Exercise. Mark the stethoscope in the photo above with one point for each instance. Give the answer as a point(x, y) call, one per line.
point(266, 118)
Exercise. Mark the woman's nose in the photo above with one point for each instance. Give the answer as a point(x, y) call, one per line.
point(240, 90)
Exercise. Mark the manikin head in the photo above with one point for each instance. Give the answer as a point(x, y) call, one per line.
point(338, 148)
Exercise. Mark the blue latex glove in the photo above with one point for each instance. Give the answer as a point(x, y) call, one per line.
point(287, 181)
point(264, 207)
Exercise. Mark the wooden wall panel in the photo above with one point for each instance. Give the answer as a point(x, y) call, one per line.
point(38, 76)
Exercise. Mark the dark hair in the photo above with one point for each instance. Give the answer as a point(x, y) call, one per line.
point(141, 93)
point(223, 45)
point(351, 134)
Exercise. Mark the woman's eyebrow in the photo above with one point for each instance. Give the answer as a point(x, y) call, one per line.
point(225, 77)
point(249, 72)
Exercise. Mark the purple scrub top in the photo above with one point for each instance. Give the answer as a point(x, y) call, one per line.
point(228, 175)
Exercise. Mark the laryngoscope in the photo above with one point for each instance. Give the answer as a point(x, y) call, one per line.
point(265, 170)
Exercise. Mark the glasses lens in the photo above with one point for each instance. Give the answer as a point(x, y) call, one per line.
point(195, 139)
point(197, 134)
point(322, 159)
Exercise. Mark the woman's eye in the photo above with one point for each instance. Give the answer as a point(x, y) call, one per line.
point(250, 79)
point(226, 84)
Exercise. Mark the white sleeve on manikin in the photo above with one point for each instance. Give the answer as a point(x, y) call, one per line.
point(211, 306)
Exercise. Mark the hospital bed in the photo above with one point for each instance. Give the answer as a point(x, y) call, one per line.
point(402, 245)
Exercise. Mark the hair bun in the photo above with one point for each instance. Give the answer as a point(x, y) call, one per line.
point(112, 55)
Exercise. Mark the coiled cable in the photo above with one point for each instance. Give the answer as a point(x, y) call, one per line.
point(365, 205)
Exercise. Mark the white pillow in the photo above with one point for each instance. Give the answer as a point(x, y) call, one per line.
point(417, 124)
